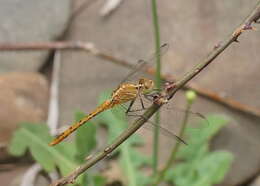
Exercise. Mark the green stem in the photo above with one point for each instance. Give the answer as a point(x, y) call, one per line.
point(157, 82)
point(176, 147)
point(128, 166)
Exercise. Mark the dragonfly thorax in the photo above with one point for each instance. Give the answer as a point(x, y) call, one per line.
point(146, 84)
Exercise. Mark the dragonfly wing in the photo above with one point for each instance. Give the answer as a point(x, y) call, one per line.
point(137, 69)
point(172, 120)
point(150, 125)
point(120, 111)
point(138, 108)
point(143, 66)
point(166, 132)
point(195, 120)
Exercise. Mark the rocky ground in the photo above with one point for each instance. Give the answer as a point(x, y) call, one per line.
point(191, 29)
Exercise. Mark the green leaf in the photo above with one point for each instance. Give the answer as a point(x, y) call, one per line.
point(128, 167)
point(131, 161)
point(199, 139)
point(210, 170)
point(35, 138)
point(94, 179)
point(139, 159)
point(85, 138)
point(99, 180)
point(215, 166)
point(214, 124)
point(201, 167)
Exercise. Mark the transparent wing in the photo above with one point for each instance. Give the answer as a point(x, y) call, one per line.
point(138, 108)
point(172, 120)
point(150, 125)
point(143, 66)
point(120, 111)
point(195, 120)
point(181, 120)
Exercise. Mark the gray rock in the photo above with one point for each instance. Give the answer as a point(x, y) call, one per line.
point(30, 21)
point(192, 29)
point(23, 97)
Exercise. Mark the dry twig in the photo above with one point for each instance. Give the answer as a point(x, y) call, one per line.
point(253, 17)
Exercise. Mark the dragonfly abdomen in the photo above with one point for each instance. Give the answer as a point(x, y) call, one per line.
point(104, 106)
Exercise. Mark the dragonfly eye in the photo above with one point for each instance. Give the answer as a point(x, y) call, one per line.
point(146, 83)
point(151, 84)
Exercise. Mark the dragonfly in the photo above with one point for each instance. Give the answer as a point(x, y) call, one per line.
point(125, 92)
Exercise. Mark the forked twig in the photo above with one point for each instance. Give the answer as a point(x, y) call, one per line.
point(253, 17)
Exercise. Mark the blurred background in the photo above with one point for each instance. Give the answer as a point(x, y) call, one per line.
point(48, 86)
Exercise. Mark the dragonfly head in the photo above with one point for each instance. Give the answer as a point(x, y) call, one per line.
point(147, 84)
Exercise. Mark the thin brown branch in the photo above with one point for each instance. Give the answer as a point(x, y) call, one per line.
point(56, 45)
point(64, 45)
point(90, 48)
point(154, 108)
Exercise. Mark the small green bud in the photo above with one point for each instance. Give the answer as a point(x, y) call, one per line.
point(191, 96)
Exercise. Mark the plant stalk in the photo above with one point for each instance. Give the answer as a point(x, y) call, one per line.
point(157, 82)
point(175, 149)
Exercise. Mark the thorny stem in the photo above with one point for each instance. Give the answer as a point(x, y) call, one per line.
point(158, 83)
point(253, 17)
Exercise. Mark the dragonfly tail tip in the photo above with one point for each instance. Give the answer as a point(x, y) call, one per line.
point(52, 143)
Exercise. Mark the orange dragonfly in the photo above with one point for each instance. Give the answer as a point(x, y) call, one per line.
point(125, 92)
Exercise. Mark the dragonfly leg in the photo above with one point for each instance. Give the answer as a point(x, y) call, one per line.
point(133, 101)
point(130, 106)
point(126, 108)
point(142, 103)
point(135, 110)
